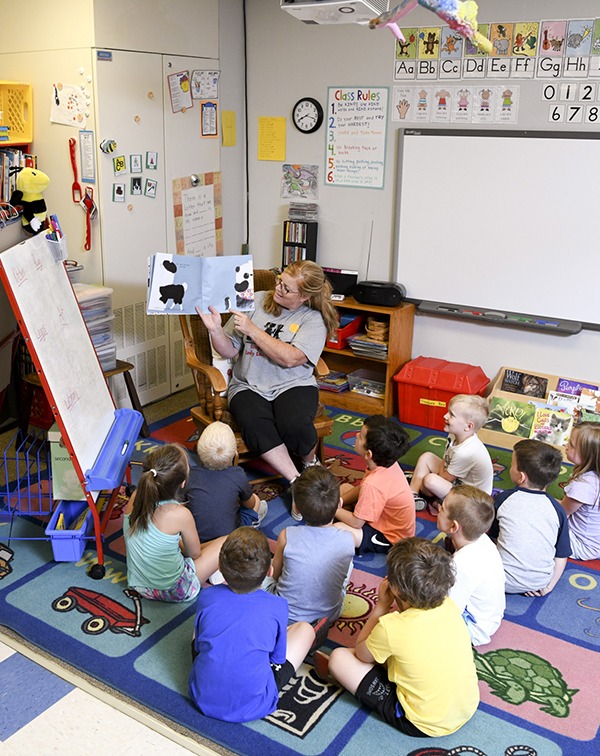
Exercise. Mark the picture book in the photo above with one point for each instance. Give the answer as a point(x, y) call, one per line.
point(551, 426)
point(334, 381)
point(510, 416)
point(564, 402)
point(179, 283)
point(589, 400)
point(567, 386)
point(523, 383)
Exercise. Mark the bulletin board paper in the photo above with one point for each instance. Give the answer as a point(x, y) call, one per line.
point(197, 232)
point(356, 136)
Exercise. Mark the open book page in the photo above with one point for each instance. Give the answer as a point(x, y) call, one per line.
point(180, 283)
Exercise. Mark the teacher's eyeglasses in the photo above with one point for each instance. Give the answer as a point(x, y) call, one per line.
point(285, 289)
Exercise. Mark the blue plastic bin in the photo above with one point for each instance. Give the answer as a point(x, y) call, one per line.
point(69, 545)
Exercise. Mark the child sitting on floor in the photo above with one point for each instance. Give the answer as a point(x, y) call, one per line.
point(466, 460)
point(582, 500)
point(312, 564)
point(465, 516)
point(244, 651)
point(380, 511)
point(413, 661)
point(218, 493)
point(530, 526)
point(156, 522)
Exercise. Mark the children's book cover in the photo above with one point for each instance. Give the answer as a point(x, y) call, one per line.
point(524, 383)
point(510, 416)
point(589, 400)
point(564, 402)
point(551, 426)
point(179, 283)
point(567, 386)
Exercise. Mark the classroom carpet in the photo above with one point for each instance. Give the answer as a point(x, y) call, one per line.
point(539, 676)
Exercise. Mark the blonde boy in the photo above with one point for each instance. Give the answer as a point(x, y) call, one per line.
point(465, 516)
point(465, 460)
point(217, 492)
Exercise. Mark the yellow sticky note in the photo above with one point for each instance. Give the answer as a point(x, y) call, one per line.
point(228, 129)
point(271, 138)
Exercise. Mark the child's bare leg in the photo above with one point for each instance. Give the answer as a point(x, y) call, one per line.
point(437, 486)
point(347, 669)
point(300, 637)
point(427, 463)
point(356, 533)
point(208, 561)
point(349, 494)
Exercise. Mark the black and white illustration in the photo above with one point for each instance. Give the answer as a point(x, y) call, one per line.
point(179, 283)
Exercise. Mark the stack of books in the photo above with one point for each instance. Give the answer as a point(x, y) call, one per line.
point(95, 303)
point(303, 211)
point(334, 381)
point(363, 346)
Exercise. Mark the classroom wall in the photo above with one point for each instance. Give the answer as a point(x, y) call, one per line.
point(287, 60)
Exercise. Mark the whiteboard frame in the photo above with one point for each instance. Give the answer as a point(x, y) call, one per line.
point(482, 175)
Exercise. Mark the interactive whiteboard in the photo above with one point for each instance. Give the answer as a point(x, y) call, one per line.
point(501, 220)
point(57, 338)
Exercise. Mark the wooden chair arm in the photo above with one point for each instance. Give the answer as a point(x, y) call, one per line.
point(217, 382)
point(321, 369)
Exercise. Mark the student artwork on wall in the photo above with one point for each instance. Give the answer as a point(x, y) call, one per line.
point(300, 181)
point(69, 105)
point(356, 136)
point(180, 91)
point(198, 213)
point(205, 84)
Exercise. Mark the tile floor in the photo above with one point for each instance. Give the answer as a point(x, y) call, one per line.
point(43, 714)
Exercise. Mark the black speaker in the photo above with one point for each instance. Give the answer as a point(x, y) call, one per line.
point(379, 293)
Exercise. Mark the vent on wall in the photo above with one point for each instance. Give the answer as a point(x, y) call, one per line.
point(335, 11)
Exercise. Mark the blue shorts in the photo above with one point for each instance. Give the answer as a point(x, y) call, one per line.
point(373, 541)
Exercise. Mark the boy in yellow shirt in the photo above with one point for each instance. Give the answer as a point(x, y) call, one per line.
point(423, 689)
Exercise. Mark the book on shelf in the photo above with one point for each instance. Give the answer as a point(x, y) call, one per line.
point(510, 416)
point(564, 402)
point(567, 386)
point(363, 346)
point(335, 381)
point(517, 382)
point(179, 283)
point(551, 426)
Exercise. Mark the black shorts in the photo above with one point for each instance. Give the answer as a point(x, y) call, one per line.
point(373, 541)
point(378, 694)
point(283, 673)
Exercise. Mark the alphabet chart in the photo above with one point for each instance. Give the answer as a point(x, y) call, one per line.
point(356, 136)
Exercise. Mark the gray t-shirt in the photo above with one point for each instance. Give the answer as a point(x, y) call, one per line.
point(303, 328)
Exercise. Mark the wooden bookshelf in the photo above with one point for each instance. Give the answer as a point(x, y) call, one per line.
point(401, 320)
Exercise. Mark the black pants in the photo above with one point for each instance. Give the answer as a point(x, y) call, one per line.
point(288, 420)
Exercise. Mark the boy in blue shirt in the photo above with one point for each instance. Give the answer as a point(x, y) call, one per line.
point(244, 651)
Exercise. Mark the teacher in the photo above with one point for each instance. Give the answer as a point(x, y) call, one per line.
point(273, 394)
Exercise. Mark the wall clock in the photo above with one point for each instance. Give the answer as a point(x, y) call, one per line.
point(307, 115)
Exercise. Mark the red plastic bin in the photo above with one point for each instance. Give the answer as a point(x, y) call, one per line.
point(427, 384)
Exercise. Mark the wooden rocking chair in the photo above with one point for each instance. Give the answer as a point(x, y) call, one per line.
point(210, 383)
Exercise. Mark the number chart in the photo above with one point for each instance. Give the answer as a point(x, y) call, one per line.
point(356, 136)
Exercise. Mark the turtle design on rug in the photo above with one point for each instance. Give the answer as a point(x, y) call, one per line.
point(516, 676)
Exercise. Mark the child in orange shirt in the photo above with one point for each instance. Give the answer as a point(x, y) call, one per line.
point(380, 511)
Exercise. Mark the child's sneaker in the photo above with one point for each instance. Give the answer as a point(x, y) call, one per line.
point(295, 514)
point(315, 462)
point(321, 628)
point(216, 578)
point(320, 662)
point(420, 502)
point(263, 508)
